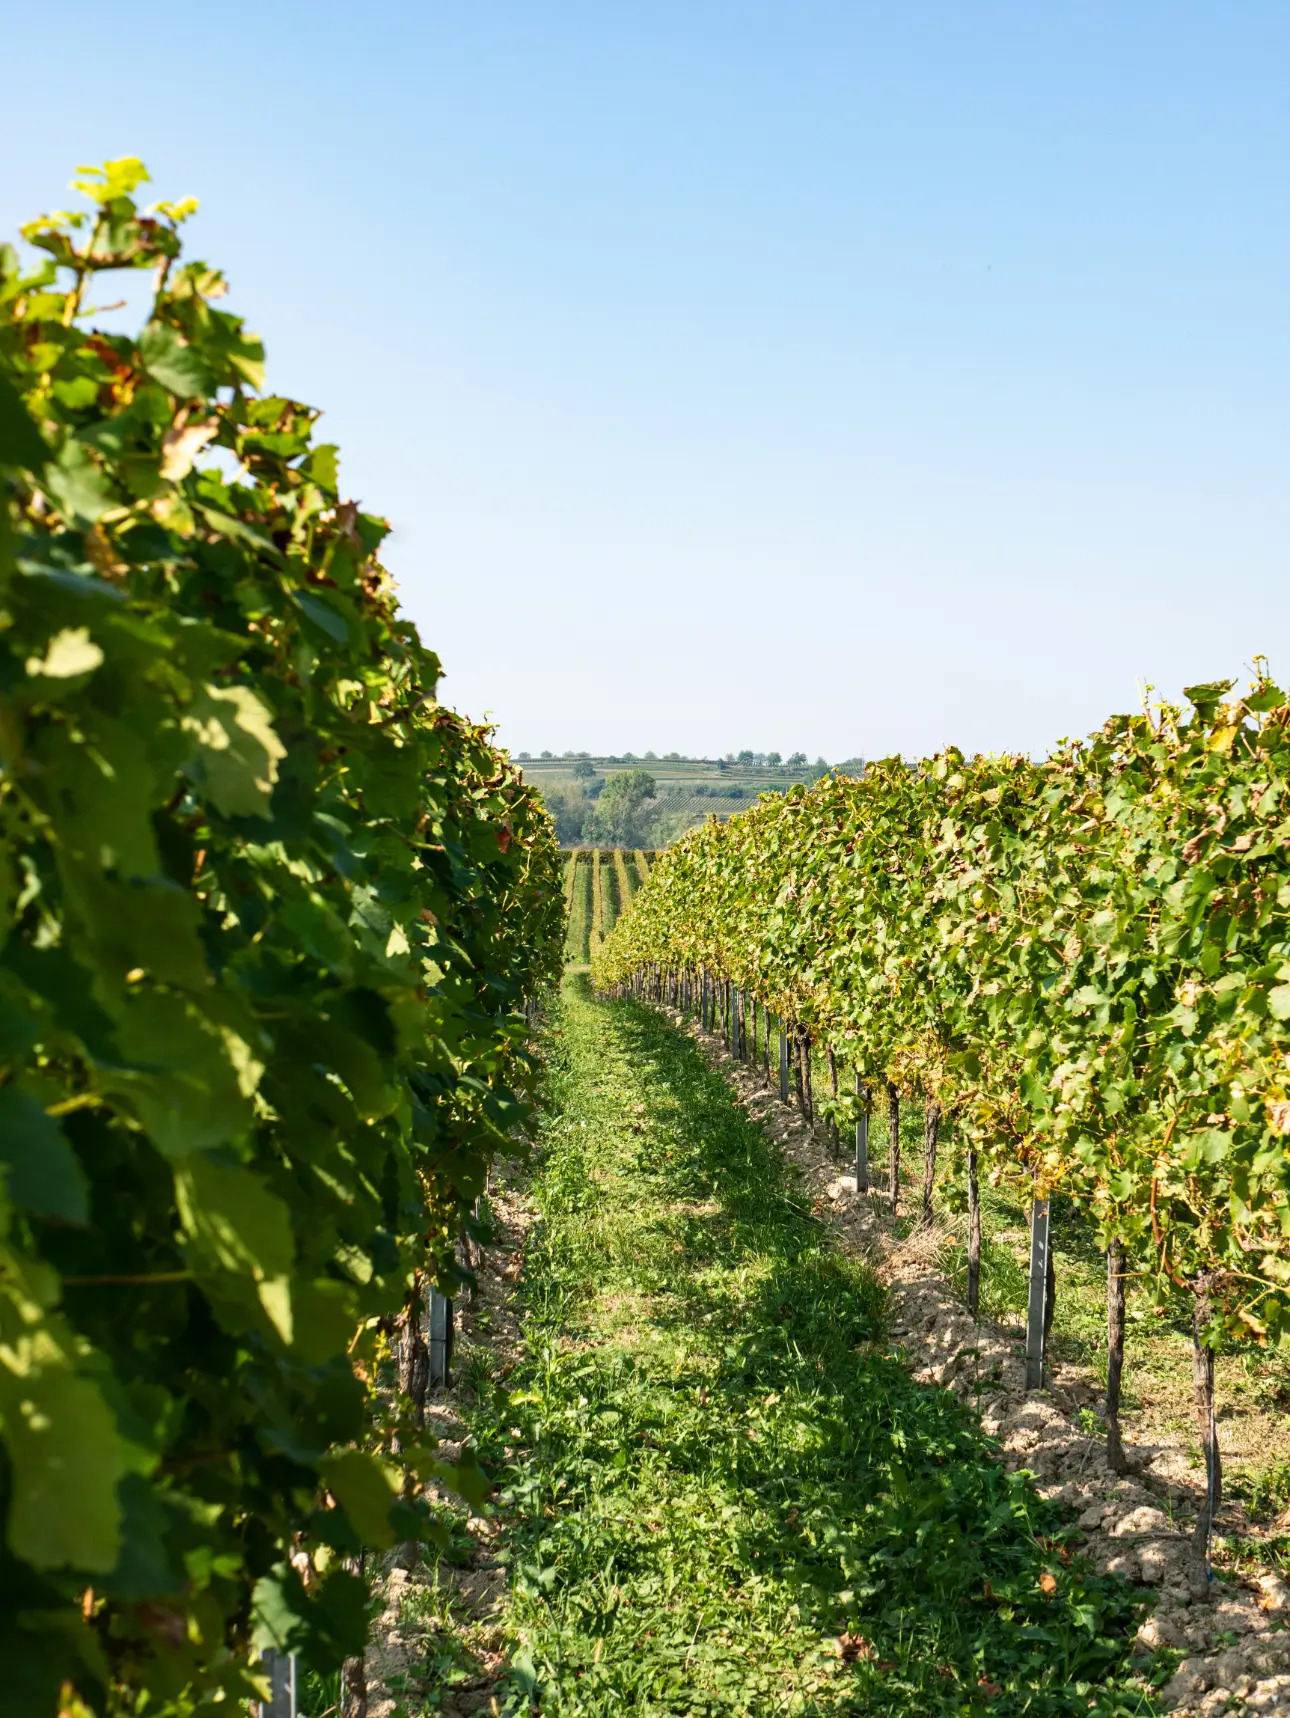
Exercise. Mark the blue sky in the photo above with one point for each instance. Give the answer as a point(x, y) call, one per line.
point(851, 377)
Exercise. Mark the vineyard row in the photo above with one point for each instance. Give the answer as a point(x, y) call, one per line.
point(1083, 964)
point(599, 883)
point(269, 918)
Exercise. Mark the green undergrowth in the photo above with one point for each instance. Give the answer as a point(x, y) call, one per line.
point(721, 1493)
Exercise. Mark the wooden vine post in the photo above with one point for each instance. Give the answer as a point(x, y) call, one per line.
point(1206, 1424)
point(893, 1145)
point(862, 1136)
point(832, 1063)
point(974, 1234)
point(783, 1064)
point(1037, 1313)
point(440, 1344)
point(931, 1129)
point(1114, 1355)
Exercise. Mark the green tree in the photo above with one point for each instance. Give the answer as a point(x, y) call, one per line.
point(584, 769)
point(568, 809)
point(625, 815)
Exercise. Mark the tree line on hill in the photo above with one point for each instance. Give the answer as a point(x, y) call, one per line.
point(749, 759)
point(624, 808)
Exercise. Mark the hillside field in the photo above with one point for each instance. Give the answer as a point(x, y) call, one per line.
point(689, 789)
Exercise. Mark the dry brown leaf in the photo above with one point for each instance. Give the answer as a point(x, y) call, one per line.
point(182, 443)
point(850, 1646)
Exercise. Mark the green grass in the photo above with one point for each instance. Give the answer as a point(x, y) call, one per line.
point(577, 941)
point(711, 1468)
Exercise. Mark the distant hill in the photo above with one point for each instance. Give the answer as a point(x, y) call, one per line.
point(689, 789)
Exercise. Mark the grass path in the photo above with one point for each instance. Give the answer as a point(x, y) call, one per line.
point(721, 1493)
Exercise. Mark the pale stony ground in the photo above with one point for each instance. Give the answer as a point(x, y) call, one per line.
point(1235, 1634)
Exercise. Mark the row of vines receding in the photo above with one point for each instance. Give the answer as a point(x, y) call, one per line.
point(270, 912)
point(1084, 962)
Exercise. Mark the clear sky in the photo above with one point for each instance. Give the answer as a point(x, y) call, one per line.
point(846, 376)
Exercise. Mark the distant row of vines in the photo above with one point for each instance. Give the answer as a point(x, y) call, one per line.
point(598, 884)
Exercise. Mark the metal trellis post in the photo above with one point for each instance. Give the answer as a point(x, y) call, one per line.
point(281, 1669)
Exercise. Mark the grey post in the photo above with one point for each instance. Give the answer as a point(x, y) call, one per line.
point(734, 1020)
point(440, 1337)
point(1038, 1295)
point(783, 1064)
point(862, 1137)
point(281, 1670)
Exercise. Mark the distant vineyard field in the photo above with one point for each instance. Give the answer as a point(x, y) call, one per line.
point(689, 790)
point(598, 885)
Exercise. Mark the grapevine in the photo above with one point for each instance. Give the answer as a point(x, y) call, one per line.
point(270, 915)
point(1084, 961)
